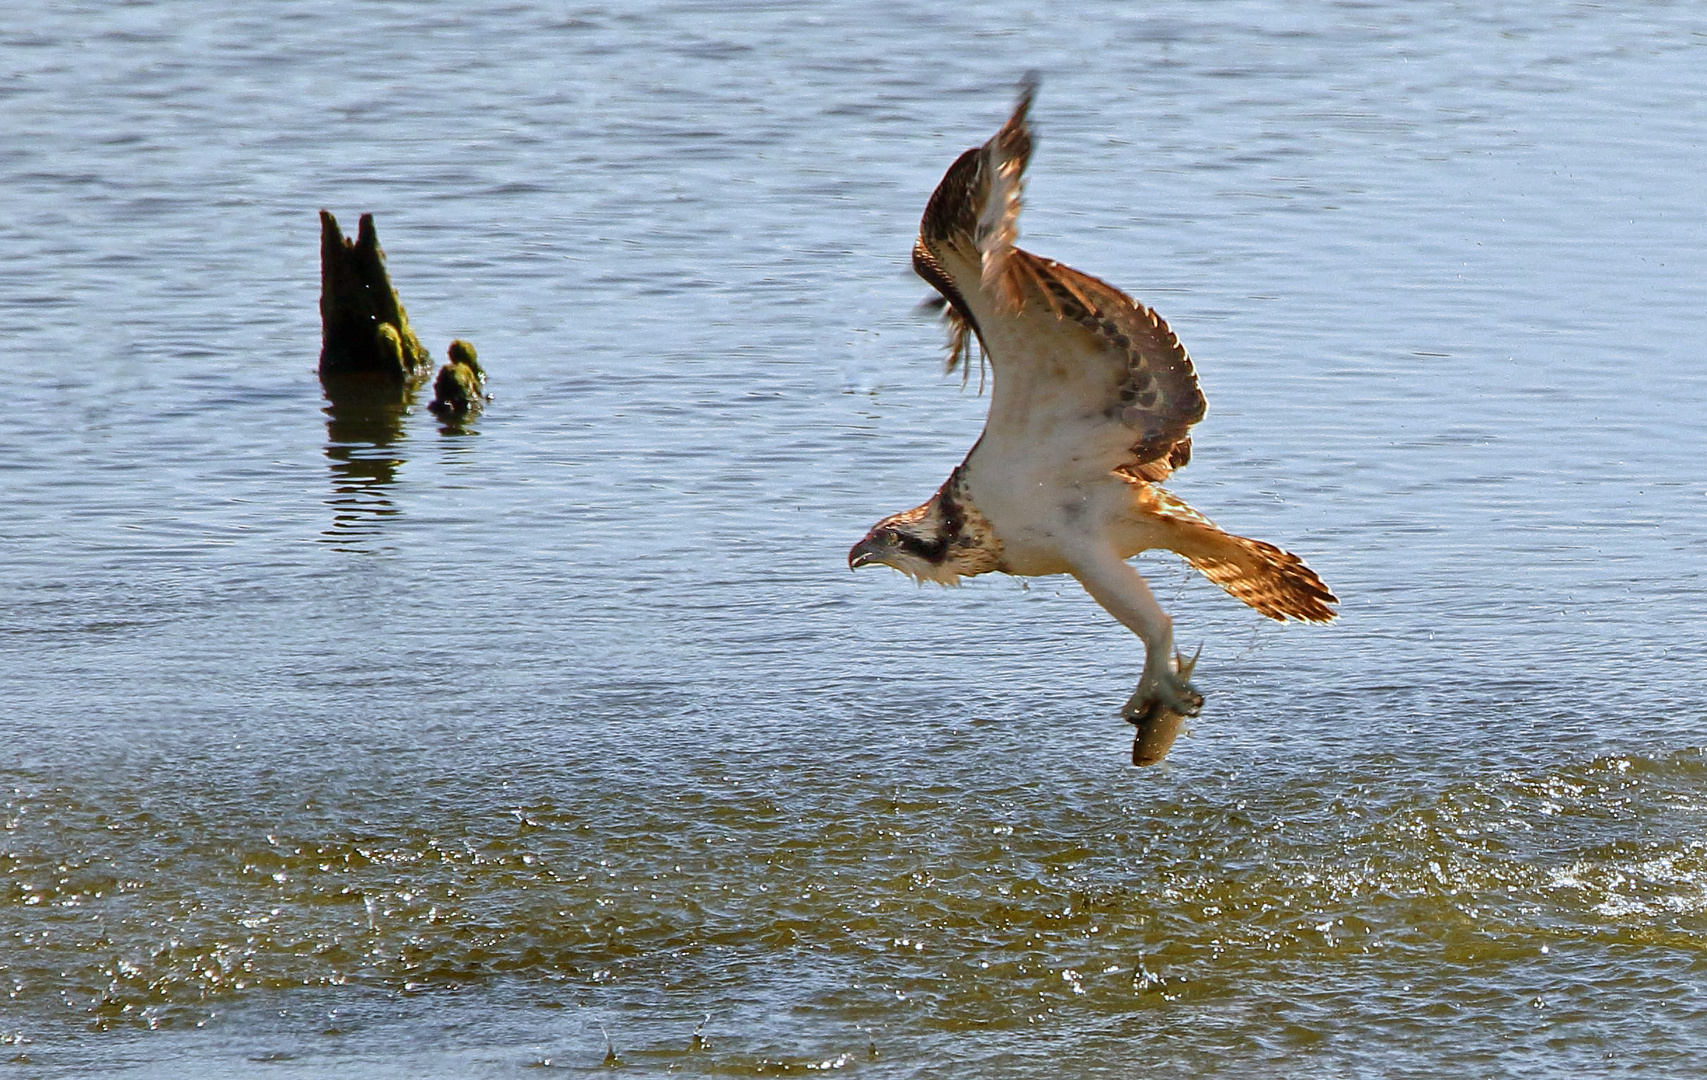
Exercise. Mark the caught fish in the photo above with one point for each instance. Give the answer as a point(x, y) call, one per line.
point(1160, 726)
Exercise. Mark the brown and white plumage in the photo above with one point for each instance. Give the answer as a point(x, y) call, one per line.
point(1092, 406)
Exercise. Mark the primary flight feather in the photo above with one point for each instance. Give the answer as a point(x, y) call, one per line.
point(1092, 406)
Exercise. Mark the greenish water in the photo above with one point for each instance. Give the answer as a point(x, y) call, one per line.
point(333, 750)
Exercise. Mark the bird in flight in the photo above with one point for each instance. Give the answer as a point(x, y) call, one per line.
point(1091, 409)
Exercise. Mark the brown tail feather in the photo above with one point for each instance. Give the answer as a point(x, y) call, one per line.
point(1275, 582)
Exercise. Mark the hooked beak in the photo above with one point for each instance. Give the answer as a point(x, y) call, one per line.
point(865, 553)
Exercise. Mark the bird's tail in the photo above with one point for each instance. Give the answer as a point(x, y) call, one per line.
point(1270, 579)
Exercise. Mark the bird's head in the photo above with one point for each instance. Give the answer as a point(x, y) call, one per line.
point(925, 543)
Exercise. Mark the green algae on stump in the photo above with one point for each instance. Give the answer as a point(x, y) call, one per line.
point(358, 306)
point(460, 387)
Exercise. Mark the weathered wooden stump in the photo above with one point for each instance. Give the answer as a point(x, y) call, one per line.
point(460, 389)
point(364, 331)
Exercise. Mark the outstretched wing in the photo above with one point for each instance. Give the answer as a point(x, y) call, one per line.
point(1082, 370)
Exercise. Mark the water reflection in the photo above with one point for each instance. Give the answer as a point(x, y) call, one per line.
point(458, 425)
point(364, 422)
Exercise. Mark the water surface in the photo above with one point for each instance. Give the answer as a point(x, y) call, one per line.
point(336, 749)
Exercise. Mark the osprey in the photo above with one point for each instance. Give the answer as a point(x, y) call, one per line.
point(1093, 402)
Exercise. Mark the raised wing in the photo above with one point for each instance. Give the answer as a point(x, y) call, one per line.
point(1080, 368)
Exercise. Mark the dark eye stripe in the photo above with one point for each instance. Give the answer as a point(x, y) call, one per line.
point(931, 550)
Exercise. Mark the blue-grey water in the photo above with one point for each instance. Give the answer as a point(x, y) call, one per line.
point(333, 750)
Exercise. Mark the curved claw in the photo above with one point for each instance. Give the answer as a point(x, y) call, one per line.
point(1165, 692)
point(1186, 667)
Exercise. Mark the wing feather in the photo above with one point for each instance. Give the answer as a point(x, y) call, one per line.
point(1157, 395)
point(1003, 162)
point(1066, 347)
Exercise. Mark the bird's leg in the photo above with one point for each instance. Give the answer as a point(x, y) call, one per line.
point(1166, 682)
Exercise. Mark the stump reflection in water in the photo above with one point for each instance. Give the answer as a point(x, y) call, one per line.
point(364, 424)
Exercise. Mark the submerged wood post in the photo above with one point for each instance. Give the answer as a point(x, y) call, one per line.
point(460, 389)
point(364, 329)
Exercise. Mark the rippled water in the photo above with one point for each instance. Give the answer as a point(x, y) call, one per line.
point(333, 749)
